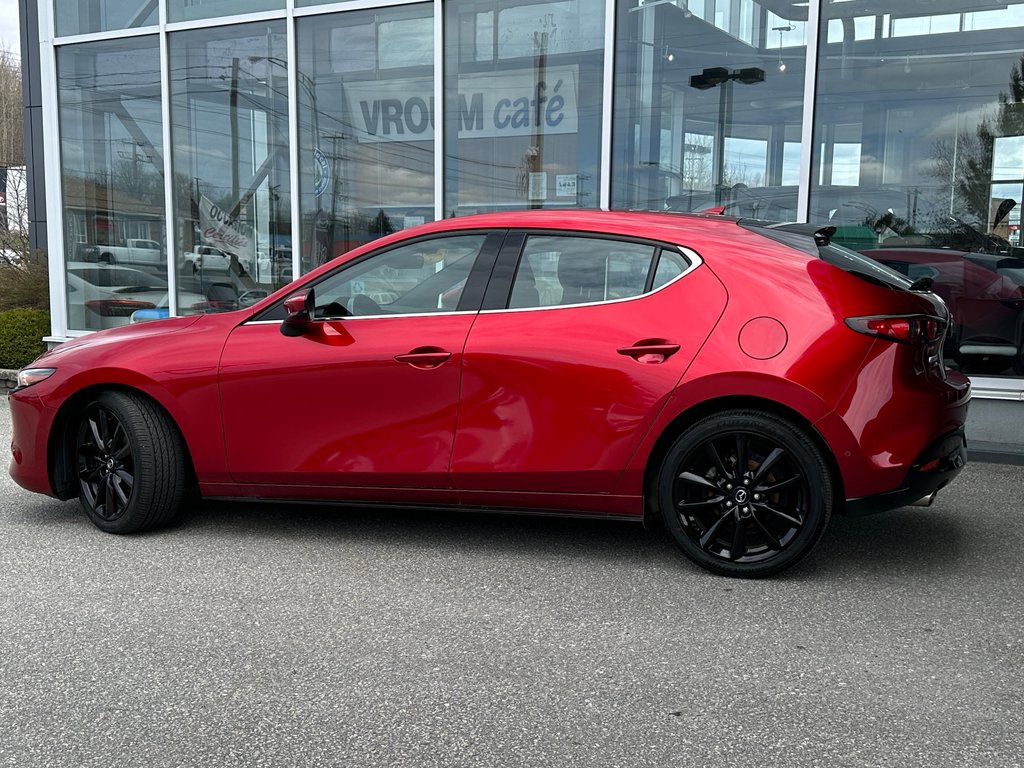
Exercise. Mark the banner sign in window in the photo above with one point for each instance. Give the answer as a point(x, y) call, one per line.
point(489, 105)
point(219, 229)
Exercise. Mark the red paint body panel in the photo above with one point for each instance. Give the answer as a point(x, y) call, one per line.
point(339, 400)
point(535, 409)
point(548, 402)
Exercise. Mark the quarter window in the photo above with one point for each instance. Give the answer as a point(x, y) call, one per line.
point(558, 270)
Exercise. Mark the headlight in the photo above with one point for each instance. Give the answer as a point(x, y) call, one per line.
point(30, 376)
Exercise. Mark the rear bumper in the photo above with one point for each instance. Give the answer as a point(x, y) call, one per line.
point(939, 463)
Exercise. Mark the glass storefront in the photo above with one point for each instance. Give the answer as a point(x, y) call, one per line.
point(900, 124)
point(79, 17)
point(709, 107)
point(366, 126)
point(919, 159)
point(522, 104)
point(112, 180)
point(232, 201)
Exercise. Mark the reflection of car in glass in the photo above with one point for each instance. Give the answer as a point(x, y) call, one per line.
point(985, 294)
point(739, 382)
point(209, 258)
point(102, 296)
point(134, 251)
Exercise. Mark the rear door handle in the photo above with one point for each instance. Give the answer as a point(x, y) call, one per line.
point(425, 358)
point(650, 351)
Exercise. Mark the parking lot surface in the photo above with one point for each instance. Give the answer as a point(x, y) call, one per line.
point(282, 635)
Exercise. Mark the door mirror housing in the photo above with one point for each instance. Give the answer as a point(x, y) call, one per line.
point(301, 309)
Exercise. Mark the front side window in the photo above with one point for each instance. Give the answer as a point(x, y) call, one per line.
point(555, 271)
point(422, 277)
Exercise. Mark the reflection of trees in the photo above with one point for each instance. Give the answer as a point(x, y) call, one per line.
point(968, 158)
point(136, 180)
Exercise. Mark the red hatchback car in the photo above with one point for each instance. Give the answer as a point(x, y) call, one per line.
point(738, 381)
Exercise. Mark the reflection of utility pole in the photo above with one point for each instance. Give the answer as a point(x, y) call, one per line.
point(723, 78)
point(233, 111)
point(536, 160)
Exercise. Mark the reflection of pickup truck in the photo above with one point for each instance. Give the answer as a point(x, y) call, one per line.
point(211, 259)
point(136, 251)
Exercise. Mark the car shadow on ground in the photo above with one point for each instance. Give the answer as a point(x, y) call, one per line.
point(909, 539)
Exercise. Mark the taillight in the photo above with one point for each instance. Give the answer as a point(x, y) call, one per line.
point(912, 329)
point(117, 307)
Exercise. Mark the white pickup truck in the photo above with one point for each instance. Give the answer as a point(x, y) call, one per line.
point(209, 258)
point(135, 251)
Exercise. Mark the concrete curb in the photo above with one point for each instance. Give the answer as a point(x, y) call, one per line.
point(8, 380)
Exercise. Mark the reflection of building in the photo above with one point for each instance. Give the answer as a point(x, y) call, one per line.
point(95, 213)
point(899, 122)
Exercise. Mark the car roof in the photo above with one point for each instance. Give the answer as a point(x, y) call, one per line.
point(587, 220)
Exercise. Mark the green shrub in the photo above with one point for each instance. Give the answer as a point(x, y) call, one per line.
point(21, 336)
point(24, 282)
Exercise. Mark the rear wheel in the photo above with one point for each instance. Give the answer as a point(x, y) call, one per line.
point(745, 493)
point(130, 464)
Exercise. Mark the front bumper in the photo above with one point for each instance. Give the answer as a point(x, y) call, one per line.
point(939, 463)
point(31, 422)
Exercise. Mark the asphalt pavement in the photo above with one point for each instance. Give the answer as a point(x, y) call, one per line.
point(282, 635)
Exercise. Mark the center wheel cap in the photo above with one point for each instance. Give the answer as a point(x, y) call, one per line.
point(741, 496)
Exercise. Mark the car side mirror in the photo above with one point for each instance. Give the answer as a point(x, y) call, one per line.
point(301, 309)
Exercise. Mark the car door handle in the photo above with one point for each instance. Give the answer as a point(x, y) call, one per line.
point(650, 351)
point(425, 357)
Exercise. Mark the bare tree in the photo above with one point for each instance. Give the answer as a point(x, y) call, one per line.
point(12, 112)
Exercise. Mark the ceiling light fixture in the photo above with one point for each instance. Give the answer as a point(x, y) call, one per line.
point(780, 30)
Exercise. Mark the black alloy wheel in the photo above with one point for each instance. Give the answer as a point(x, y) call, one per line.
point(106, 466)
point(130, 463)
point(745, 493)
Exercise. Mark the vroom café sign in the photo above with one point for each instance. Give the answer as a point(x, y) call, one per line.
point(490, 105)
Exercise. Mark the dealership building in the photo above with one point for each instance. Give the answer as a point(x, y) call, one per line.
point(192, 155)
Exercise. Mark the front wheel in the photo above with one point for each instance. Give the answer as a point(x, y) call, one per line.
point(130, 463)
point(744, 493)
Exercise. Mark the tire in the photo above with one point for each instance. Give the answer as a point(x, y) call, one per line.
point(106, 258)
point(744, 493)
point(130, 462)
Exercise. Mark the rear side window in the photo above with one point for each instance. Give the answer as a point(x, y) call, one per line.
point(559, 270)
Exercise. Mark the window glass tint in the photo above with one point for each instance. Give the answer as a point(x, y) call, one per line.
point(426, 276)
point(670, 266)
point(579, 270)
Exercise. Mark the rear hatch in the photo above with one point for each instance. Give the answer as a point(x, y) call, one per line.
point(922, 320)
